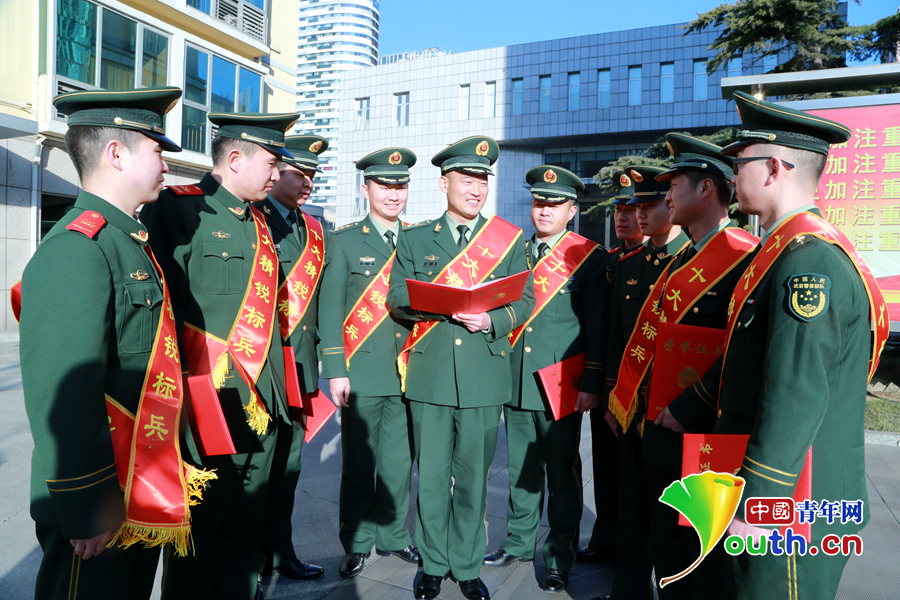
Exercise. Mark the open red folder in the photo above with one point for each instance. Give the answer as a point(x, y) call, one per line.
point(444, 299)
point(724, 453)
point(561, 382)
point(683, 354)
point(318, 409)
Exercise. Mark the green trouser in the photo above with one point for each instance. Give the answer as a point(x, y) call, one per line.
point(788, 577)
point(458, 443)
point(285, 473)
point(377, 465)
point(226, 527)
point(633, 565)
point(674, 548)
point(605, 455)
point(116, 573)
point(534, 440)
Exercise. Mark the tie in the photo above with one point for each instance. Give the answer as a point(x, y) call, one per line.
point(295, 226)
point(463, 230)
point(543, 249)
point(389, 238)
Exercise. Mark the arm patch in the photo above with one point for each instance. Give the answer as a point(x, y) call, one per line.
point(808, 295)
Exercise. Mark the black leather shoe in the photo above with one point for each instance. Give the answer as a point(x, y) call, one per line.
point(588, 554)
point(554, 580)
point(501, 558)
point(474, 589)
point(429, 587)
point(259, 593)
point(410, 554)
point(299, 570)
point(353, 564)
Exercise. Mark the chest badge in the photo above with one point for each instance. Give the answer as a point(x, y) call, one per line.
point(221, 235)
point(631, 282)
point(366, 261)
point(140, 275)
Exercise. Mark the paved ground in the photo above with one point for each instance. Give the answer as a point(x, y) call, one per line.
point(873, 576)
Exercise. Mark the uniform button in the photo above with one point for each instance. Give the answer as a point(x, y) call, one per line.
point(458, 342)
point(225, 254)
point(562, 291)
point(253, 245)
point(503, 353)
point(650, 286)
point(696, 310)
point(527, 348)
point(739, 325)
point(627, 297)
point(720, 413)
point(429, 272)
point(148, 302)
point(367, 272)
point(492, 276)
point(656, 262)
point(529, 329)
point(399, 336)
point(304, 328)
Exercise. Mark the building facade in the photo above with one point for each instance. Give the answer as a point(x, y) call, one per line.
point(225, 54)
point(575, 102)
point(334, 36)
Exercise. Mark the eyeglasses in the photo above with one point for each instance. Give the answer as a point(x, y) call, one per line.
point(737, 162)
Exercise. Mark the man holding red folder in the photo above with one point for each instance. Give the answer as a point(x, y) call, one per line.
point(569, 320)
point(455, 369)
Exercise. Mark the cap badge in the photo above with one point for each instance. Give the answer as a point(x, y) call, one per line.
point(221, 235)
point(395, 158)
point(550, 176)
point(314, 147)
point(637, 176)
point(624, 181)
point(140, 275)
point(482, 148)
point(671, 152)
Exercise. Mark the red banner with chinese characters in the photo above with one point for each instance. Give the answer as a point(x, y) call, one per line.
point(859, 193)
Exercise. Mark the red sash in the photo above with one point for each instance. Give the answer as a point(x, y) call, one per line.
point(369, 311)
point(553, 271)
point(159, 486)
point(722, 253)
point(298, 288)
point(807, 223)
point(251, 335)
point(488, 247)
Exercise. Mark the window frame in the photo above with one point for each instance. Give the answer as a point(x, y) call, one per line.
point(548, 95)
point(601, 83)
point(576, 88)
point(399, 108)
point(666, 81)
point(467, 88)
point(360, 123)
point(640, 83)
point(521, 94)
point(490, 99)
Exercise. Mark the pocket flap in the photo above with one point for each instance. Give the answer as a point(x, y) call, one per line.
point(224, 250)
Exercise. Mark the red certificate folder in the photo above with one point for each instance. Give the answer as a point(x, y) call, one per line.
point(205, 414)
point(683, 354)
point(443, 299)
point(561, 382)
point(318, 409)
point(291, 380)
point(725, 454)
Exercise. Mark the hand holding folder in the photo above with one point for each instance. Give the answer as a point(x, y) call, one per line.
point(449, 300)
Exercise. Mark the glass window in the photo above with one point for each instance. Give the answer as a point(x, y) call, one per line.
point(117, 58)
point(193, 129)
point(401, 109)
point(603, 88)
point(201, 5)
point(490, 99)
point(699, 80)
point(634, 86)
point(770, 62)
point(196, 74)
point(545, 93)
point(574, 91)
point(667, 82)
point(463, 102)
point(76, 44)
point(735, 66)
point(222, 84)
point(154, 70)
point(362, 114)
point(518, 94)
point(249, 88)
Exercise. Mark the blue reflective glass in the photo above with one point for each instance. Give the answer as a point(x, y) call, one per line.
point(700, 80)
point(545, 94)
point(76, 43)
point(196, 72)
point(603, 88)
point(634, 86)
point(518, 93)
point(249, 91)
point(222, 85)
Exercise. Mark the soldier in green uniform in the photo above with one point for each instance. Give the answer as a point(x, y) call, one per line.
point(375, 434)
point(566, 322)
point(635, 276)
point(604, 448)
point(288, 225)
point(457, 376)
point(795, 371)
point(209, 240)
point(699, 194)
point(96, 343)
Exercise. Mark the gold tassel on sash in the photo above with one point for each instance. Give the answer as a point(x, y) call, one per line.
point(220, 371)
point(259, 419)
point(623, 415)
point(401, 368)
point(196, 481)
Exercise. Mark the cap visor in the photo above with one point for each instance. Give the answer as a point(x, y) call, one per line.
point(735, 147)
point(167, 144)
point(278, 151)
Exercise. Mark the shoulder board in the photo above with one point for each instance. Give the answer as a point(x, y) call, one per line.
point(88, 223)
point(419, 224)
point(186, 190)
point(613, 250)
point(637, 250)
point(348, 227)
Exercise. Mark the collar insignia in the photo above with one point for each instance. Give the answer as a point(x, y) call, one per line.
point(366, 229)
point(648, 257)
point(239, 211)
point(141, 236)
point(140, 275)
point(221, 235)
point(662, 255)
point(437, 227)
point(631, 282)
point(267, 210)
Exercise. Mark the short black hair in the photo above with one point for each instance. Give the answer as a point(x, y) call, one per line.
point(221, 146)
point(85, 144)
point(724, 188)
point(809, 164)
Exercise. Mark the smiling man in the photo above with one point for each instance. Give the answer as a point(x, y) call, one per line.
point(219, 259)
point(299, 240)
point(456, 368)
point(360, 344)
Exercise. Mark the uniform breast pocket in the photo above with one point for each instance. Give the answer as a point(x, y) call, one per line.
point(223, 268)
point(366, 270)
point(140, 301)
point(426, 271)
point(706, 307)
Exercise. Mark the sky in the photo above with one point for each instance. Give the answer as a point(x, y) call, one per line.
point(463, 25)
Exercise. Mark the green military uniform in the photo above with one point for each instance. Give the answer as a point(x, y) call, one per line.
point(97, 341)
point(290, 235)
point(574, 321)
point(792, 380)
point(673, 547)
point(375, 434)
point(207, 241)
point(636, 273)
point(457, 382)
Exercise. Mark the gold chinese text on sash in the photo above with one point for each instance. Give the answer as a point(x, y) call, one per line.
point(297, 290)
point(807, 223)
point(553, 271)
point(250, 336)
point(669, 301)
point(471, 266)
point(369, 311)
point(159, 487)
